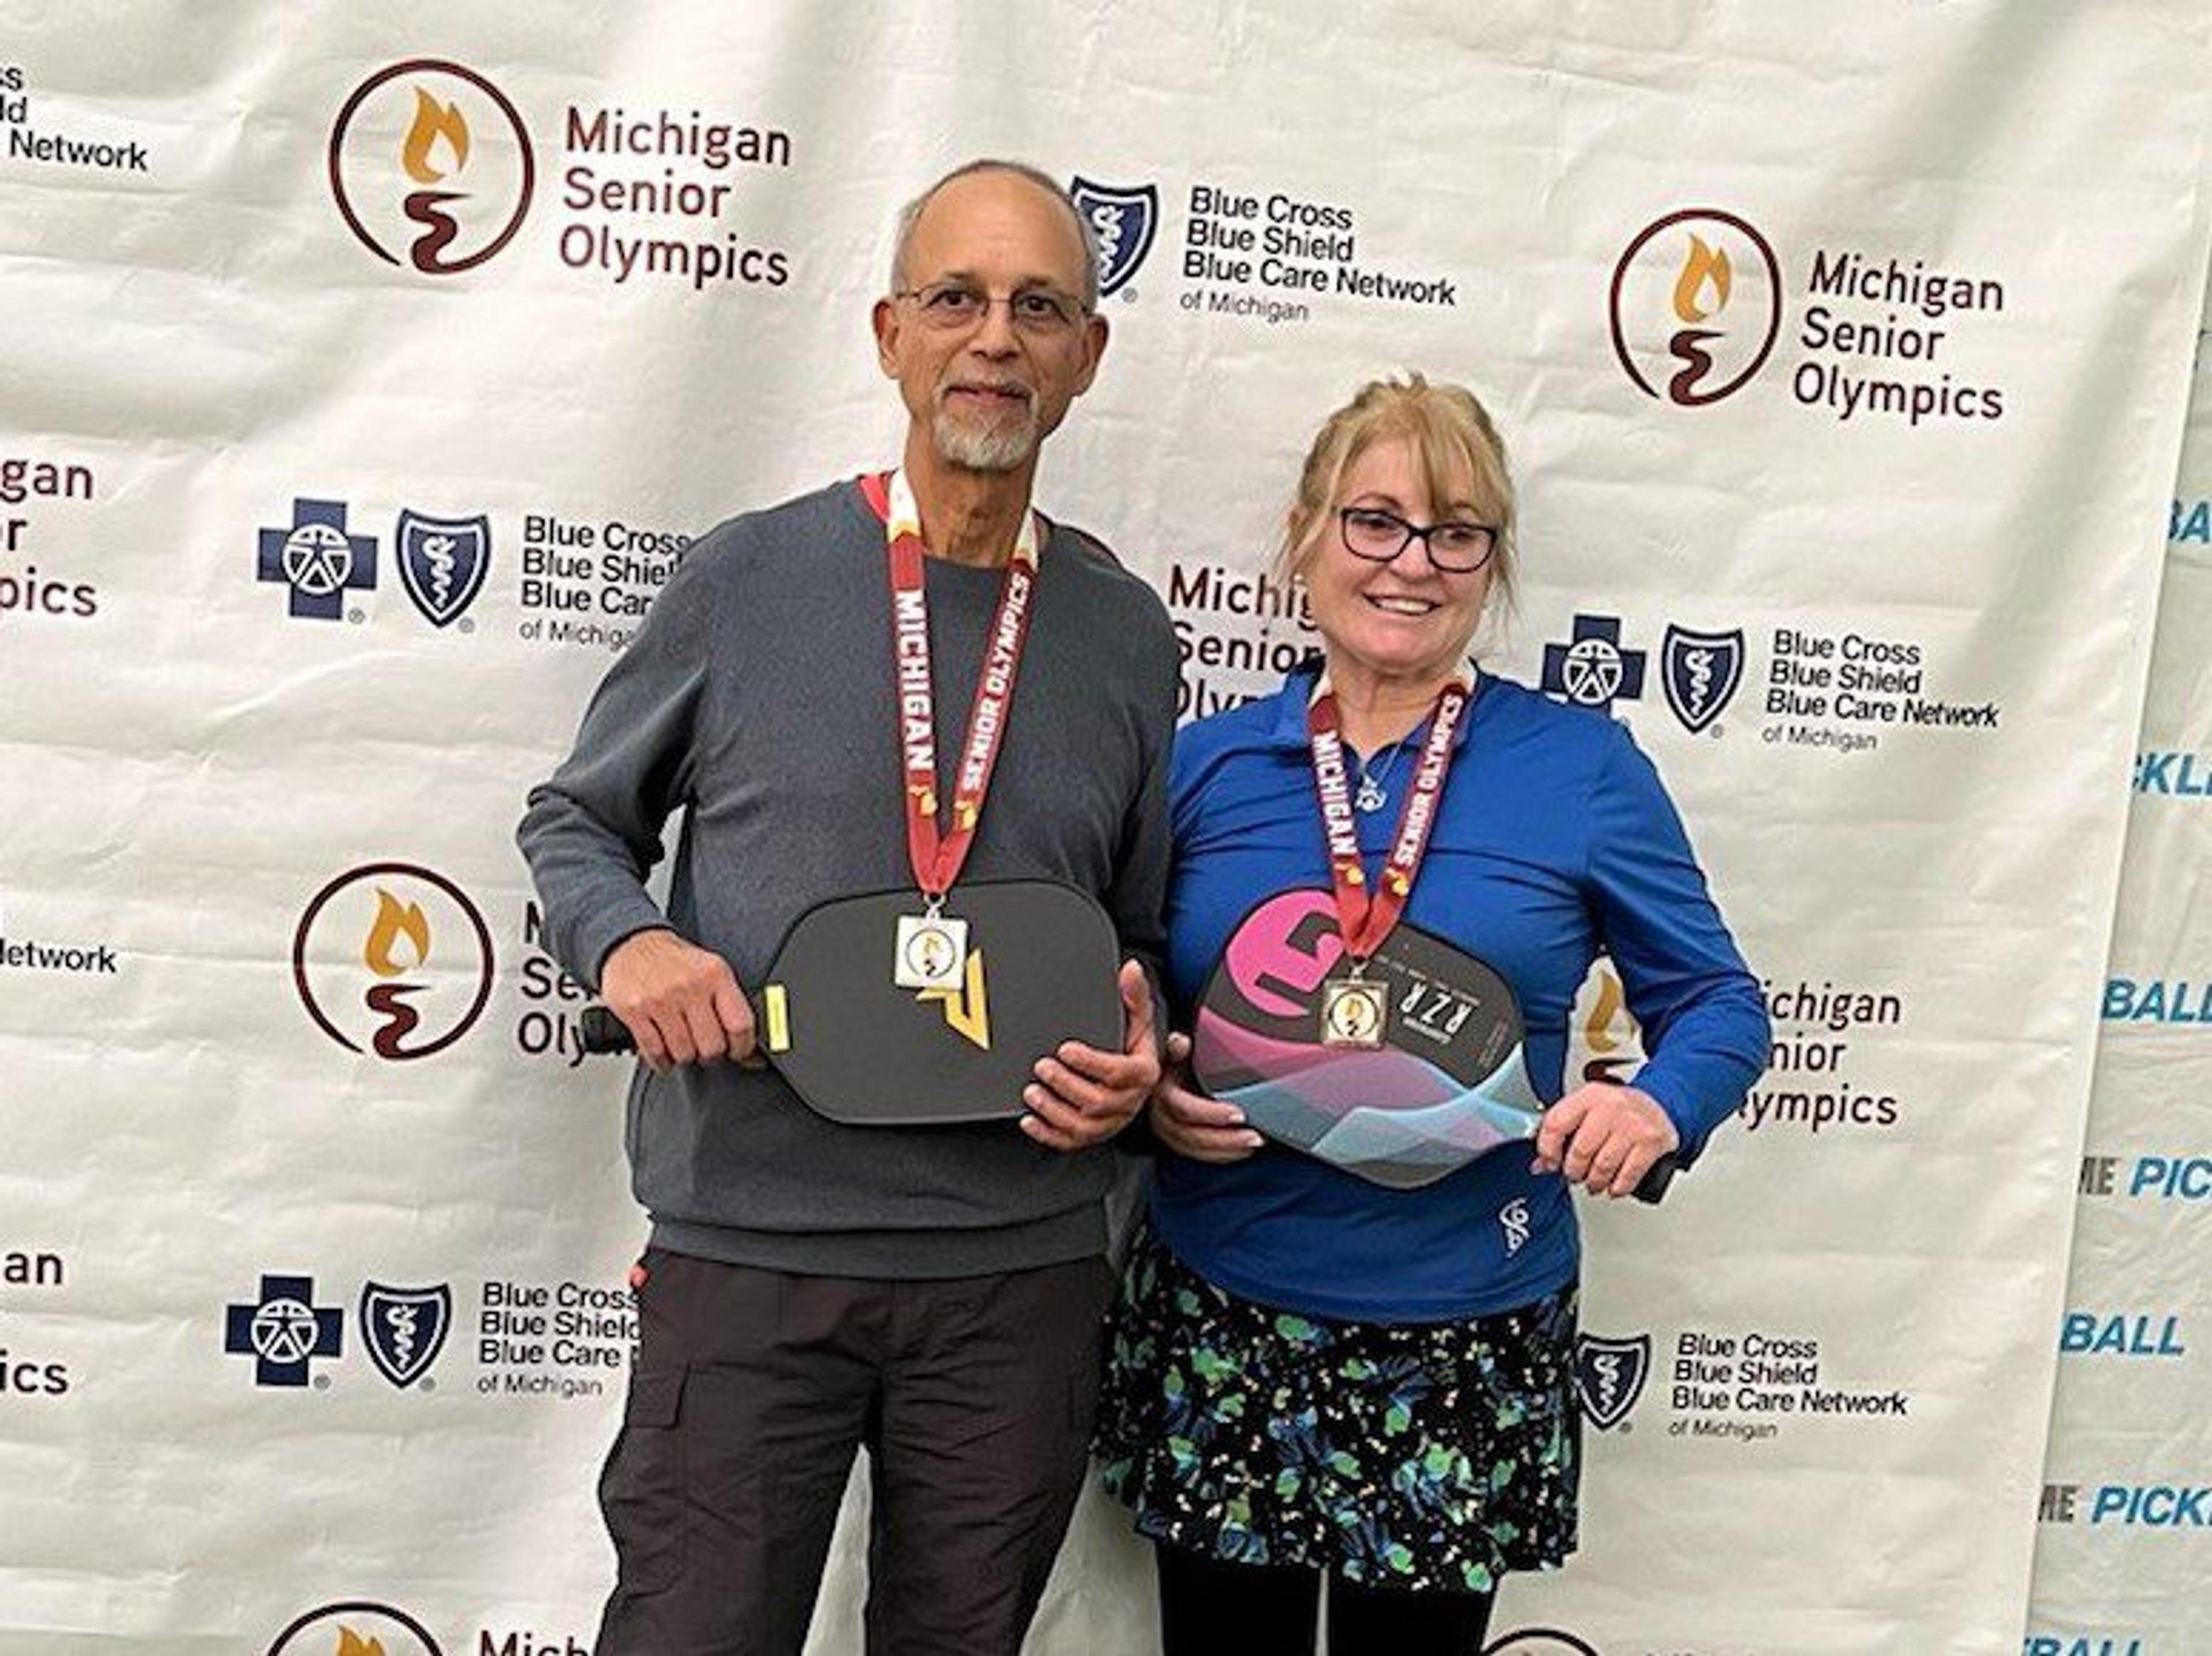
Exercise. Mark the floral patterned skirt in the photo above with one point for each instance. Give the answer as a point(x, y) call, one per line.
point(1430, 1457)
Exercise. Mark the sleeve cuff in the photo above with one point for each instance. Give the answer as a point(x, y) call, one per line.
point(597, 938)
point(1662, 1090)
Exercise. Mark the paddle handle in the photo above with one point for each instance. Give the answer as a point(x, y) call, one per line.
point(602, 1032)
point(1661, 1175)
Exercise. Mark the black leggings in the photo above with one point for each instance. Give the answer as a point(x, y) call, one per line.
point(1207, 1606)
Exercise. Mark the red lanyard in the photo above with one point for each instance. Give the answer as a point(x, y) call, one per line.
point(1364, 918)
point(937, 854)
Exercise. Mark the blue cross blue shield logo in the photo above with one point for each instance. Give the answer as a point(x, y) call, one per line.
point(319, 558)
point(442, 563)
point(404, 1329)
point(1609, 1373)
point(1125, 219)
point(283, 1331)
point(1593, 669)
point(1700, 672)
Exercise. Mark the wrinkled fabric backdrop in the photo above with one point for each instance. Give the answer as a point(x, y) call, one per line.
point(368, 368)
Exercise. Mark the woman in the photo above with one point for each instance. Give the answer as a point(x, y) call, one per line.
point(1314, 1375)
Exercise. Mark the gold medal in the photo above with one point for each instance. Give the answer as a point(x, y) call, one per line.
point(1352, 1013)
point(931, 952)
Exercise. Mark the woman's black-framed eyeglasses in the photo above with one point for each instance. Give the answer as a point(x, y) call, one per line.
point(1456, 549)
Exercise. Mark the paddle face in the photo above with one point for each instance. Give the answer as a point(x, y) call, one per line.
point(1041, 965)
point(1447, 1084)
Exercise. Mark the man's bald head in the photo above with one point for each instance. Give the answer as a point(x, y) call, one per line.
point(910, 214)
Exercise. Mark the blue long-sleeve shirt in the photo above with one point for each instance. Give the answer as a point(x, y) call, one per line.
point(1555, 841)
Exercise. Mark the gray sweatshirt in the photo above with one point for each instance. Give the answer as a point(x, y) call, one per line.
point(759, 693)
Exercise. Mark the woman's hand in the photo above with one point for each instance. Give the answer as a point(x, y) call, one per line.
point(1604, 1137)
point(1190, 1124)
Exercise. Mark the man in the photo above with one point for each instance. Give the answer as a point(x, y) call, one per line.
point(935, 1293)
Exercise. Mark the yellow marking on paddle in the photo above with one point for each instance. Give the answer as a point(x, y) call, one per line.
point(779, 1018)
point(968, 1009)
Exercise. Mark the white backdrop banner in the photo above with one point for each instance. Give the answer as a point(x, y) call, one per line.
point(2124, 1549)
point(369, 368)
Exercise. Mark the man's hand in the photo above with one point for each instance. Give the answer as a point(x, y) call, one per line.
point(1604, 1137)
point(1082, 1096)
point(681, 1002)
point(1190, 1124)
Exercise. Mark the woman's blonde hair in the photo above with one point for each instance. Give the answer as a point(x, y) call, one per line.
point(1457, 451)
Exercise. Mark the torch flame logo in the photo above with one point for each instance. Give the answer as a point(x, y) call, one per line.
point(456, 123)
point(434, 121)
point(1703, 266)
point(352, 1644)
point(395, 920)
point(1597, 1029)
point(380, 968)
point(1703, 269)
point(1671, 287)
point(1606, 1059)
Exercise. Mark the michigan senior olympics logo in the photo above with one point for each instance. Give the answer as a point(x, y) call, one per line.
point(1609, 1373)
point(356, 1628)
point(394, 958)
point(431, 167)
point(1539, 1641)
point(1125, 221)
point(1608, 1032)
point(1700, 672)
point(283, 1331)
point(1697, 306)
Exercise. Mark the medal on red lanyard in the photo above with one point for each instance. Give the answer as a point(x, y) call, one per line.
point(931, 952)
point(1355, 1009)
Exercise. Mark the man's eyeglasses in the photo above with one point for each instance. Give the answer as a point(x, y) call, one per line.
point(1456, 549)
point(947, 306)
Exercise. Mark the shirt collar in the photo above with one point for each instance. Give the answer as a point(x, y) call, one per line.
point(1289, 729)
